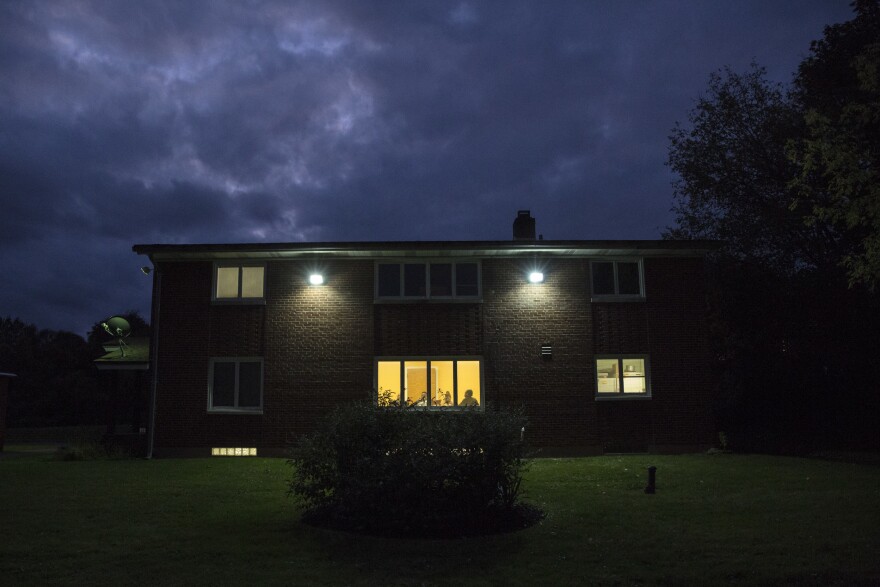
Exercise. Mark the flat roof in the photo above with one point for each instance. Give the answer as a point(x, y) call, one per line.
point(580, 248)
point(137, 356)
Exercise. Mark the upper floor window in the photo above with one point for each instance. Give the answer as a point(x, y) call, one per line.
point(617, 279)
point(239, 282)
point(438, 280)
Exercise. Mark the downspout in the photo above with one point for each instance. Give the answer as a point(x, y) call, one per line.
point(154, 355)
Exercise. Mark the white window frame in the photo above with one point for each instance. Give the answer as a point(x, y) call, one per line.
point(428, 296)
point(618, 296)
point(428, 360)
point(620, 395)
point(235, 409)
point(238, 299)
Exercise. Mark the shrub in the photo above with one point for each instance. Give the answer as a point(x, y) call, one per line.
point(400, 470)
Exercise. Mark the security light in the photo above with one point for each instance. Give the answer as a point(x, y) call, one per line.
point(316, 279)
point(145, 270)
point(536, 277)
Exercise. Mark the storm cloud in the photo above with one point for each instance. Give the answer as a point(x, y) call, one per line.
point(173, 122)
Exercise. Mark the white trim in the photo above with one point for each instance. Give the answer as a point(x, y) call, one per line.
point(430, 359)
point(258, 410)
point(238, 299)
point(453, 297)
point(618, 395)
point(618, 297)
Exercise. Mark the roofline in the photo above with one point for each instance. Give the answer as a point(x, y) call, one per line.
point(579, 248)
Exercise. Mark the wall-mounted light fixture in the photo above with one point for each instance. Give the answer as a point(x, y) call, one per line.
point(536, 277)
point(316, 279)
point(546, 351)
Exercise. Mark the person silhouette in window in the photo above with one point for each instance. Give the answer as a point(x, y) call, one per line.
point(469, 399)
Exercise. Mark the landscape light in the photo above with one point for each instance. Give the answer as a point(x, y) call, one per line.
point(536, 277)
point(316, 279)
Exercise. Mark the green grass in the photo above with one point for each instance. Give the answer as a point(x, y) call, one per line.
point(723, 519)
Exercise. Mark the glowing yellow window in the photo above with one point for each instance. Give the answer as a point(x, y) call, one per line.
point(388, 374)
point(227, 282)
point(469, 392)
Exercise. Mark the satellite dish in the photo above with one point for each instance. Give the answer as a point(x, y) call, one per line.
point(118, 327)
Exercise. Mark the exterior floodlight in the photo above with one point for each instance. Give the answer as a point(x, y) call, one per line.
point(536, 277)
point(146, 269)
point(316, 279)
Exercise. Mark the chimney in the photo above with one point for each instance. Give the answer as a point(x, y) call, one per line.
point(524, 226)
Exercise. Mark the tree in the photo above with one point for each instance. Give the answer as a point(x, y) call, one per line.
point(734, 174)
point(786, 179)
point(838, 156)
point(56, 382)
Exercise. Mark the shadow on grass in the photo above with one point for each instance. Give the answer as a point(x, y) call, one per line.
point(488, 522)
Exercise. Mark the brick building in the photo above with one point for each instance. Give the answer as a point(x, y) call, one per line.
point(603, 342)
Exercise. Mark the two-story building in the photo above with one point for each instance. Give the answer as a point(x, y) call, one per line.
point(602, 342)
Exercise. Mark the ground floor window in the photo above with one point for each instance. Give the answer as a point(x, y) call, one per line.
point(235, 384)
point(437, 382)
point(622, 375)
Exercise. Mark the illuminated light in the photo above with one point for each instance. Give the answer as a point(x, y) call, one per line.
point(237, 451)
point(316, 279)
point(536, 277)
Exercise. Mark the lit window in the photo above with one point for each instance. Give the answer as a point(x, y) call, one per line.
point(616, 279)
point(235, 385)
point(430, 383)
point(622, 376)
point(427, 280)
point(239, 282)
point(237, 451)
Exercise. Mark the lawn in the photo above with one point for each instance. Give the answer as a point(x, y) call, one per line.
point(720, 519)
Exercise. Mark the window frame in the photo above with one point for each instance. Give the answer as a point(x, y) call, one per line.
point(235, 409)
point(616, 296)
point(453, 297)
point(238, 299)
point(428, 360)
point(621, 395)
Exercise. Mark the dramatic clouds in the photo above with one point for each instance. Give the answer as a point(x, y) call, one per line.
point(146, 122)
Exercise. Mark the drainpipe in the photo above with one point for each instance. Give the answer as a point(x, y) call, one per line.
point(154, 355)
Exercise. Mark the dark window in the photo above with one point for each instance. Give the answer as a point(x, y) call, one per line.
point(427, 280)
point(441, 279)
point(467, 282)
point(603, 279)
point(236, 384)
point(224, 385)
point(414, 279)
point(249, 384)
point(628, 279)
point(389, 280)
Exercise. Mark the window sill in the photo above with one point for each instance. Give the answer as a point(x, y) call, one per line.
point(428, 300)
point(622, 397)
point(239, 302)
point(600, 299)
point(236, 411)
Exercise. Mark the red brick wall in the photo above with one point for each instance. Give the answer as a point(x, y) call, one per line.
point(319, 344)
point(518, 317)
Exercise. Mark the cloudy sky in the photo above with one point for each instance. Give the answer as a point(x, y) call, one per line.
point(188, 122)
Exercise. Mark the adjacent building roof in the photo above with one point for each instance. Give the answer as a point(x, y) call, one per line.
point(136, 355)
point(579, 248)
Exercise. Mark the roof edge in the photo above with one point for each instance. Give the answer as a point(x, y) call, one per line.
point(427, 248)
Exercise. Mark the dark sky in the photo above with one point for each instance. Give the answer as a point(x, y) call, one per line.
point(187, 122)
